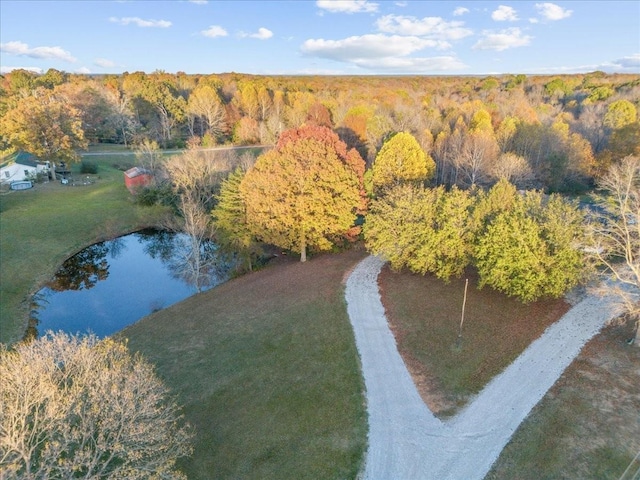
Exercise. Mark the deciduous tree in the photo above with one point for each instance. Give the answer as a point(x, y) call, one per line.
point(619, 114)
point(401, 160)
point(149, 155)
point(514, 169)
point(74, 407)
point(159, 91)
point(305, 193)
point(615, 236)
point(45, 126)
point(195, 178)
point(204, 104)
point(477, 158)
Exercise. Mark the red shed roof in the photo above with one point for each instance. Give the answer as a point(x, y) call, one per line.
point(136, 171)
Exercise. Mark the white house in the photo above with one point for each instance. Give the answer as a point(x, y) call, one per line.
point(20, 166)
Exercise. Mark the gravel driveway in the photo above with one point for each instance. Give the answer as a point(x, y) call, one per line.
point(406, 441)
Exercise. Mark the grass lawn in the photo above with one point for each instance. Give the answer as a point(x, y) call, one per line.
point(586, 427)
point(267, 370)
point(425, 314)
point(41, 227)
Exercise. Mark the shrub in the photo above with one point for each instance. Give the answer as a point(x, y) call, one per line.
point(88, 167)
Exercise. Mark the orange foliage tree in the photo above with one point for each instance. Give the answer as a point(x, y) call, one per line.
point(306, 193)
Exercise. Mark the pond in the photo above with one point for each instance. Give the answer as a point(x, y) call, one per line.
point(112, 284)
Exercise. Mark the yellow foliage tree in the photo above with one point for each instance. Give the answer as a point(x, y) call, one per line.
point(305, 193)
point(46, 126)
point(401, 160)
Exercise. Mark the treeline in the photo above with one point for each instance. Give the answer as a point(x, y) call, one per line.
point(556, 133)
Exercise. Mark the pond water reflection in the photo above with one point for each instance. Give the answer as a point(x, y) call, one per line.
point(112, 284)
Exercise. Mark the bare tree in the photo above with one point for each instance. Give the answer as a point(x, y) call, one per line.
point(476, 158)
point(194, 173)
point(514, 169)
point(149, 155)
point(194, 176)
point(615, 236)
point(79, 407)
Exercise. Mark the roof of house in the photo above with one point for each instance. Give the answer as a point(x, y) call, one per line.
point(26, 158)
point(22, 158)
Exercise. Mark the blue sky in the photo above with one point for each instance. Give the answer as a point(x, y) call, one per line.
point(350, 37)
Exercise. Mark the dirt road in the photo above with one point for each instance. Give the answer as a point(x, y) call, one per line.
point(406, 441)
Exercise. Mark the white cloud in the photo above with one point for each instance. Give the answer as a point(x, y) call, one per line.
point(261, 34)
point(412, 64)
point(23, 50)
point(502, 40)
point(347, 6)
point(389, 53)
point(5, 69)
point(401, 4)
point(551, 11)
point(460, 11)
point(139, 22)
point(504, 14)
point(631, 63)
point(214, 31)
point(365, 47)
point(433, 27)
point(199, 2)
point(104, 63)
point(83, 70)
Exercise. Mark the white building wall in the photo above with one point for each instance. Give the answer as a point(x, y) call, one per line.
point(16, 172)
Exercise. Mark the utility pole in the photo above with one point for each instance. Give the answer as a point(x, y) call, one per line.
point(464, 302)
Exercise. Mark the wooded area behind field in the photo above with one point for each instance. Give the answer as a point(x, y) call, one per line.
point(551, 132)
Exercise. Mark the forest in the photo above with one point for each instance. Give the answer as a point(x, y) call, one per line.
point(553, 133)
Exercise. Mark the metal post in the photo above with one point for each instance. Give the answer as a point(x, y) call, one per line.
point(464, 302)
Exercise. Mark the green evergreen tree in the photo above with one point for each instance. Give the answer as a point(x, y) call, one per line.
point(425, 230)
point(531, 250)
point(231, 231)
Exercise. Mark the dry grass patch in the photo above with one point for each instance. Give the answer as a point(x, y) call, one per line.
point(424, 314)
point(588, 424)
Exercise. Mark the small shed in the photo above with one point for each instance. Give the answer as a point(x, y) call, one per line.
point(137, 177)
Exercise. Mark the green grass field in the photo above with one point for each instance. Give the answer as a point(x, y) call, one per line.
point(41, 227)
